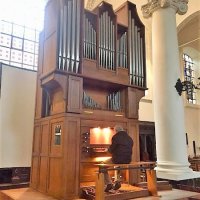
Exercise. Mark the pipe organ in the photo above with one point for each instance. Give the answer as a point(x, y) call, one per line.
point(116, 46)
point(91, 76)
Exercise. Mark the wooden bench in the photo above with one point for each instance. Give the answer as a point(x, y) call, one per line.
point(147, 166)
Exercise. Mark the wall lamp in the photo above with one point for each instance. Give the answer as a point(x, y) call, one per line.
point(186, 86)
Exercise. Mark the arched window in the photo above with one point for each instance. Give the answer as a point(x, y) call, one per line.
point(189, 76)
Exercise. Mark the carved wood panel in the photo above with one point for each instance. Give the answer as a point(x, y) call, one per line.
point(55, 183)
point(75, 94)
point(72, 157)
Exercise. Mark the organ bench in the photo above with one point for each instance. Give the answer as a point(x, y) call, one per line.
point(147, 166)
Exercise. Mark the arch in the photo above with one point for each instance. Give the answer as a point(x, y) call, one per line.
point(188, 34)
point(189, 19)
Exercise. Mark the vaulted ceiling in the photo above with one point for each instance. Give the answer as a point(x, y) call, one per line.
point(189, 35)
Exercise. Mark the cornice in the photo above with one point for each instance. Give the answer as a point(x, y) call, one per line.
point(180, 6)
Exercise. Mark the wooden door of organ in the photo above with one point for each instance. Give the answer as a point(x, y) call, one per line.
point(92, 73)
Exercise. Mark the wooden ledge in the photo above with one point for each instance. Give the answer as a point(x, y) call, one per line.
point(134, 165)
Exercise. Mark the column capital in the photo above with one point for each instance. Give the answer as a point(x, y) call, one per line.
point(179, 5)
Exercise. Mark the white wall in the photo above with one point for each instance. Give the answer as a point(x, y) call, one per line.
point(146, 111)
point(17, 104)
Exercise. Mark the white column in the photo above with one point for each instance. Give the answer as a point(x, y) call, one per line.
point(172, 160)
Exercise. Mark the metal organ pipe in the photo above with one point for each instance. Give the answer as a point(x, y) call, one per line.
point(60, 59)
point(89, 39)
point(142, 62)
point(126, 49)
point(114, 101)
point(133, 51)
point(100, 40)
point(113, 46)
point(95, 44)
point(85, 35)
point(73, 33)
point(122, 51)
point(78, 19)
point(139, 58)
point(136, 52)
point(65, 22)
point(69, 8)
point(69, 36)
point(130, 47)
point(136, 55)
point(106, 41)
point(110, 44)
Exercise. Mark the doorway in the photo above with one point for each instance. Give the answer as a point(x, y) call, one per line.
point(147, 141)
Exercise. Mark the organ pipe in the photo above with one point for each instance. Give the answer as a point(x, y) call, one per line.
point(69, 36)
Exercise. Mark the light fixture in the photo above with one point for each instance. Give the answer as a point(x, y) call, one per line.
point(102, 159)
point(88, 112)
point(118, 115)
point(186, 86)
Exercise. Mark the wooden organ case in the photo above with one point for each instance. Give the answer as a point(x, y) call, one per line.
point(91, 74)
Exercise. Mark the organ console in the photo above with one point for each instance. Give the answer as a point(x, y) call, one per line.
point(91, 76)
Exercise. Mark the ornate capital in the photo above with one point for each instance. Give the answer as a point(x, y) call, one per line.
point(179, 5)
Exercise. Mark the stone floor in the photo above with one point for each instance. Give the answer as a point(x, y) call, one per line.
point(29, 194)
point(23, 194)
point(173, 194)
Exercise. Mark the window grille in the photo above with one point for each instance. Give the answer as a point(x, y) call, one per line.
point(189, 76)
point(19, 45)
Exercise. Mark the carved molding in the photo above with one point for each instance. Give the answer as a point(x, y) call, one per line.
point(91, 4)
point(180, 6)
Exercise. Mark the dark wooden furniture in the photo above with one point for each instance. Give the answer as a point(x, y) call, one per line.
point(14, 177)
point(92, 73)
point(195, 163)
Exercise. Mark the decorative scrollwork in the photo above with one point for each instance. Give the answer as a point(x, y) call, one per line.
point(186, 86)
point(179, 5)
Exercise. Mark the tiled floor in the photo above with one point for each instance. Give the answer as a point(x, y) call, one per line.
point(29, 194)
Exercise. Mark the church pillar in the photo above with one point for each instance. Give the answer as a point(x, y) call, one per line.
point(172, 159)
